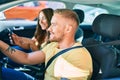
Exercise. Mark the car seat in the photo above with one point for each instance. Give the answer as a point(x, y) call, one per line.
point(80, 13)
point(79, 32)
point(104, 57)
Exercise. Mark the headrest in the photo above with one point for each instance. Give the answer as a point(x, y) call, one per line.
point(107, 25)
point(80, 14)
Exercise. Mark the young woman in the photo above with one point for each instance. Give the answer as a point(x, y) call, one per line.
point(41, 35)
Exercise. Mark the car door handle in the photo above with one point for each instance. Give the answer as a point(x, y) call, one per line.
point(18, 28)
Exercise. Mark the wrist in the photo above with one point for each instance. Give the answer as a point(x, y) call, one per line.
point(31, 43)
point(3, 46)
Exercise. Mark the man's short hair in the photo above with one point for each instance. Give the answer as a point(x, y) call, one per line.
point(67, 13)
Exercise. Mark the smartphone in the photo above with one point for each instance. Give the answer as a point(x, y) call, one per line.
point(10, 36)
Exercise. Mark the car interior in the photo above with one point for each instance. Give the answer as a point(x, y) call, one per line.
point(104, 28)
point(104, 56)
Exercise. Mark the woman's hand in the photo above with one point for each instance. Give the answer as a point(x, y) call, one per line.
point(24, 42)
point(17, 39)
point(21, 41)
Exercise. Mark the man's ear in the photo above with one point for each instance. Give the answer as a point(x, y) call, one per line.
point(68, 28)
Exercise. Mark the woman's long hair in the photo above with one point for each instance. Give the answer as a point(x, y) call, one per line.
point(40, 34)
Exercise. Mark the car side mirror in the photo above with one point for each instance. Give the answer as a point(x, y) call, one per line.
point(2, 16)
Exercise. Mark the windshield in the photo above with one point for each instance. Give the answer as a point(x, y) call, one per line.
point(31, 9)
